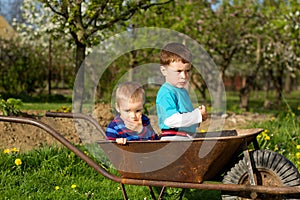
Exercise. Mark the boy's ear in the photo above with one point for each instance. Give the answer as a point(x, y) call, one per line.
point(163, 70)
point(117, 107)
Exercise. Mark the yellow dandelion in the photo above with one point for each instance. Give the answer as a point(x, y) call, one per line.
point(15, 149)
point(298, 155)
point(18, 161)
point(266, 131)
point(267, 137)
point(259, 136)
point(57, 188)
point(73, 186)
point(276, 147)
point(273, 118)
point(6, 151)
point(298, 146)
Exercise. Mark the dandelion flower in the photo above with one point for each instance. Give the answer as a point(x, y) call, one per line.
point(259, 136)
point(73, 186)
point(267, 137)
point(6, 151)
point(57, 188)
point(298, 155)
point(298, 146)
point(18, 161)
point(15, 149)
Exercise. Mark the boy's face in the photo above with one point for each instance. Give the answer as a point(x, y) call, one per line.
point(130, 111)
point(177, 73)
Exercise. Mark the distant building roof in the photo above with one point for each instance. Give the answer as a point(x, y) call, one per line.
point(6, 31)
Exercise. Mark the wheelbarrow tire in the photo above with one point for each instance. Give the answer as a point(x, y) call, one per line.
point(270, 169)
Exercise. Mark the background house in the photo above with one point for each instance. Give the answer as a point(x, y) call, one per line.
point(6, 31)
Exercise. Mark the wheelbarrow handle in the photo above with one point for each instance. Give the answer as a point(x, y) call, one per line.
point(63, 141)
point(77, 116)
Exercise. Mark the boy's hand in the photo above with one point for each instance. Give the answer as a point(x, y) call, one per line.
point(134, 125)
point(203, 112)
point(121, 140)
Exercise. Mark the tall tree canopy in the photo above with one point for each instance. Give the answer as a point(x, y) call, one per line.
point(89, 22)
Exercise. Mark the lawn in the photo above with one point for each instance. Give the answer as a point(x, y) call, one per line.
point(56, 173)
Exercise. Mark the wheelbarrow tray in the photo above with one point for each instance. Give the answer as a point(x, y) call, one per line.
point(190, 161)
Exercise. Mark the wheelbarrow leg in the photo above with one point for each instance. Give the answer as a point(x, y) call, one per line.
point(249, 169)
point(152, 193)
point(181, 193)
point(255, 144)
point(124, 191)
point(161, 192)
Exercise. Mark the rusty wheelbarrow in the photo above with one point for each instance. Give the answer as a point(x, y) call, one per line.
point(211, 161)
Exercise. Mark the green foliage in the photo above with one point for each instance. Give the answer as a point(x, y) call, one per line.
point(281, 134)
point(20, 68)
point(56, 173)
point(11, 106)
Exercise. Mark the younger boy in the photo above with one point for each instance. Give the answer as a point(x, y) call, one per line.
point(176, 116)
point(130, 123)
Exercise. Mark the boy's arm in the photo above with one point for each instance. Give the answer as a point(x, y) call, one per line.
point(184, 119)
point(148, 131)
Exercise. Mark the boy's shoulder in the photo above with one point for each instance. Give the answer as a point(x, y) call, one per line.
point(168, 88)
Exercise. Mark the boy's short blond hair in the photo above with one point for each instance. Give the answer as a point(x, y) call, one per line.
point(130, 91)
point(175, 52)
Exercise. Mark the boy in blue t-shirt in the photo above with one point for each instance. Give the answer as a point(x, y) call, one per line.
point(130, 124)
point(176, 116)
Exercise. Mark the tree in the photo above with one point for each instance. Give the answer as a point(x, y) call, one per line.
point(88, 22)
point(219, 30)
point(281, 56)
point(35, 28)
point(18, 62)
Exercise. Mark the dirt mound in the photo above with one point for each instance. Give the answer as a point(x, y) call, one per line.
point(26, 137)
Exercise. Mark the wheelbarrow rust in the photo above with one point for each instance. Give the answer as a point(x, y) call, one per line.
point(179, 161)
point(206, 167)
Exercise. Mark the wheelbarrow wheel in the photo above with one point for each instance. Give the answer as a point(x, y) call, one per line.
point(269, 168)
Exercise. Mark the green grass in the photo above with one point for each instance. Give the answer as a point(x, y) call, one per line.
point(282, 135)
point(256, 102)
point(50, 172)
point(45, 106)
point(56, 173)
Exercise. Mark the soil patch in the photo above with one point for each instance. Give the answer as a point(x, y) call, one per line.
point(27, 137)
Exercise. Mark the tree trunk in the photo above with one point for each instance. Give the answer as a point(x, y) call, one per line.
point(78, 89)
point(288, 82)
point(219, 93)
point(279, 85)
point(245, 92)
point(267, 102)
point(49, 67)
point(197, 83)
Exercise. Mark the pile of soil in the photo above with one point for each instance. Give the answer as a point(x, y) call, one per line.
point(27, 137)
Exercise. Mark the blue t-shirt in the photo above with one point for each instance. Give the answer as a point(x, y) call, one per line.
point(171, 100)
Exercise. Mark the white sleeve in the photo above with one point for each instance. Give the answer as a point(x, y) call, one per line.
point(184, 120)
